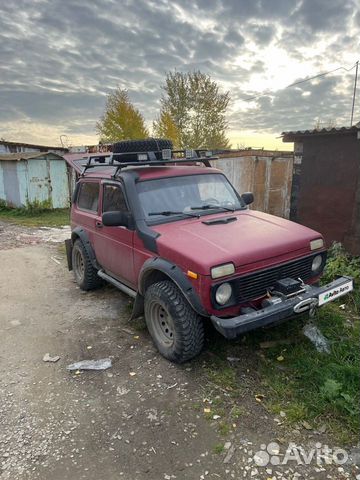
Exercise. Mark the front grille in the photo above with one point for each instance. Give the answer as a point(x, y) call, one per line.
point(258, 283)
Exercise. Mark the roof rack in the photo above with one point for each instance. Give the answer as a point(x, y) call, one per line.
point(150, 158)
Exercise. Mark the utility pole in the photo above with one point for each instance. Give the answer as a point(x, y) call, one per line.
point(354, 94)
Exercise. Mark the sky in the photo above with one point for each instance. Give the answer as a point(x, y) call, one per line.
point(60, 58)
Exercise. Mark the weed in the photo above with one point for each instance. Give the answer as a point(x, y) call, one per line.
point(218, 448)
point(224, 428)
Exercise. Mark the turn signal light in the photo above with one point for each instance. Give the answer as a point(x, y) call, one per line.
point(192, 274)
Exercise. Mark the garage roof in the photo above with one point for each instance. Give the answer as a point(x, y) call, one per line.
point(17, 157)
point(292, 136)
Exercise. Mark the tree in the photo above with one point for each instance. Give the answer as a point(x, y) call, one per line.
point(165, 127)
point(197, 107)
point(121, 120)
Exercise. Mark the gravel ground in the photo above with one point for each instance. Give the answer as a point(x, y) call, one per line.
point(137, 419)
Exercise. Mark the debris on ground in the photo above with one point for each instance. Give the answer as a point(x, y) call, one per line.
point(101, 364)
point(128, 331)
point(229, 454)
point(306, 425)
point(233, 359)
point(48, 358)
point(316, 337)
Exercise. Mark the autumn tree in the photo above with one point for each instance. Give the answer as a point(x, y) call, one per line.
point(197, 107)
point(165, 127)
point(121, 120)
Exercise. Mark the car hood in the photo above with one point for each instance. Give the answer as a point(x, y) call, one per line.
point(253, 238)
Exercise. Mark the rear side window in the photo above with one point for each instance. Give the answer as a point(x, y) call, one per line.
point(114, 199)
point(88, 198)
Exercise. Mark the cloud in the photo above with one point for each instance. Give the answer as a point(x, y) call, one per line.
point(59, 59)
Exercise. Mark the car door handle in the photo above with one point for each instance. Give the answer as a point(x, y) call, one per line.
point(98, 224)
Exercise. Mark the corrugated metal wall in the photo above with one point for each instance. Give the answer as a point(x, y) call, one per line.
point(267, 174)
point(35, 180)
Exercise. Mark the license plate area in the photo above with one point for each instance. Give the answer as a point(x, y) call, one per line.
point(336, 292)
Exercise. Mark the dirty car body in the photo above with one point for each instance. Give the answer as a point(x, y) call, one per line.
point(181, 229)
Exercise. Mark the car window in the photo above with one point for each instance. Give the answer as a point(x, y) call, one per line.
point(187, 194)
point(114, 199)
point(88, 198)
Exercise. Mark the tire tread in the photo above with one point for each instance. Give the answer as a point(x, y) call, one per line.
point(191, 336)
point(91, 279)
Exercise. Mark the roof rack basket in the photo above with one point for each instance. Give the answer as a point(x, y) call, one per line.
point(151, 158)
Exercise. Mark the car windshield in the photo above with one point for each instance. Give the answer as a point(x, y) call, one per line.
point(187, 196)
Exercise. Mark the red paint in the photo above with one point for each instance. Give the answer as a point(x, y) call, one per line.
point(253, 242)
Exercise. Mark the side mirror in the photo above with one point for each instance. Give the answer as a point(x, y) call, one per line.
point(247, 197)
point(117, 219)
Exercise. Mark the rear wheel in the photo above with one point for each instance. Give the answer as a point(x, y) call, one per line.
point(85, 274)
point(176, 329)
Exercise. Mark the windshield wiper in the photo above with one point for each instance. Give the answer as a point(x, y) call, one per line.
point(211, 207)
point(168, 213)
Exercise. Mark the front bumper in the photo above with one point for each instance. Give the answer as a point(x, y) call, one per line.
point(232, 327)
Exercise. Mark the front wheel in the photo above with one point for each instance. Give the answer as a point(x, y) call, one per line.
point(176, 329)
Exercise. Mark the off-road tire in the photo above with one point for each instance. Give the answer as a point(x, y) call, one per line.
point(87, 278)
point(188, 329)
point(149, 145)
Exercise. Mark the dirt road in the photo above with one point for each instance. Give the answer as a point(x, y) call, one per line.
point(135, 420)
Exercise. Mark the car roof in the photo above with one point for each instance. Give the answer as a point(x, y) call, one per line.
point(151, 173)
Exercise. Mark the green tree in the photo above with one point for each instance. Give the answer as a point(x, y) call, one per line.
point(198, 108)
point(121, 120)
point(165, 127)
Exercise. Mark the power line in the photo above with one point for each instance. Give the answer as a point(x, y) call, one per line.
point(266, 92)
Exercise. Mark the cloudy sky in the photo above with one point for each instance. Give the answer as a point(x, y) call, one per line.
point(60, 58)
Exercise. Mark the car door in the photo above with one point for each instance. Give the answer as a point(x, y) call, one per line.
point(85, 210)
point(114, 245)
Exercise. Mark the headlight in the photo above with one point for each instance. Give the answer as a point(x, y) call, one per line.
point(223, 293)
point(316, 263)
point(223, 270)
point(315, 244)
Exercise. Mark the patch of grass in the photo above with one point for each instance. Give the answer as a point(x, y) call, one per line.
point(319, 388)
point(218, 448)
point(236, 412)
point(224, 428)
point(340, 262)
point(222, 375)
point(36, 217)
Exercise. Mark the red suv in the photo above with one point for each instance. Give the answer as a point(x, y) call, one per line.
point(172, 232)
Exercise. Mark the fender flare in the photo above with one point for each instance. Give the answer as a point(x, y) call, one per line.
point(174, 273)
point(79, 232)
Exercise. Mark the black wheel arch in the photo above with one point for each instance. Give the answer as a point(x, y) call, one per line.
point(80, 233)
point(157, 269)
